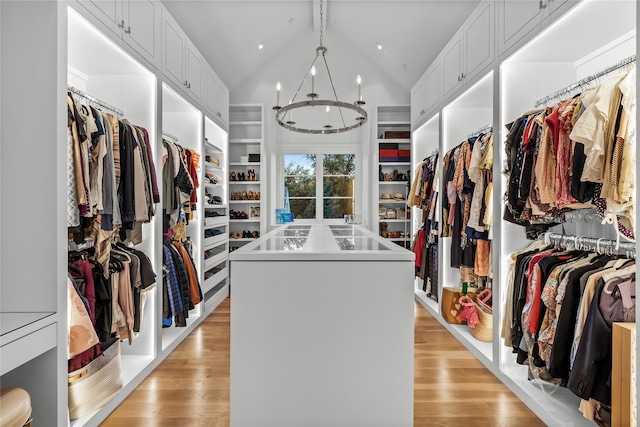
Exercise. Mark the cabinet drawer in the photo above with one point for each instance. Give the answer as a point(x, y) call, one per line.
point(27, 347)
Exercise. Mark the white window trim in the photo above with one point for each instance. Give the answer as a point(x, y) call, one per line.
point(355, 149)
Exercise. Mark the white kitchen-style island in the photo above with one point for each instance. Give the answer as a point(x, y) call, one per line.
point(322, 329)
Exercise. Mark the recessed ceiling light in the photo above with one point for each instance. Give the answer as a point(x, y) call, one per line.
point(261, 46)
point(404, 66)
point(290, 20)
point(379, 45)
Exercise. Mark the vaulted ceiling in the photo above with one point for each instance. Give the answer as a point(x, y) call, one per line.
point(411, 33)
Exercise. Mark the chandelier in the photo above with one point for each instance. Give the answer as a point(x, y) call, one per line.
point(284, 114)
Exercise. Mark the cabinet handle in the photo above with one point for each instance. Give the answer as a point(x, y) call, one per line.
point(186, 83)
point(121, 24)
point(543, 5)
point(128, 30)
point(459, 78)
point(462, 75)
point(219, 114)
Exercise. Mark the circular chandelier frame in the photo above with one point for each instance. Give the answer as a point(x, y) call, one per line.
point(282, 113)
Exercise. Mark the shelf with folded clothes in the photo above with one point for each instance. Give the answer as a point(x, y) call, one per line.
point(244, 182)
point(215, 258)
point(215, 275)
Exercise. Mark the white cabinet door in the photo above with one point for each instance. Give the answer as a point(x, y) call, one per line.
point(452, 66)
point(431, 89)
point(479, 41)
point(517, 20)
point(210, 91)
point(417, 110)
point(109, 12)
point(223, 104)
point(141, 31)
point(173, 51)
point(194, 71)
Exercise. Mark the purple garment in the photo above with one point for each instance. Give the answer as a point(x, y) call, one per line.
point(617, 302)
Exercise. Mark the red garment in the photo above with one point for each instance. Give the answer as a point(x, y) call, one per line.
point(564, 155)
point(89, 287)
point(537, 297)
point(418, 248)
point(193, 173)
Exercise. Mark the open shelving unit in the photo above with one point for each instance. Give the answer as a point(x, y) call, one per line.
point(246, 141)
point(425, 141)
point(393, 169)
point(215, 248)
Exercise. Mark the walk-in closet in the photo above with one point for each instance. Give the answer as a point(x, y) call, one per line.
point(205, 202)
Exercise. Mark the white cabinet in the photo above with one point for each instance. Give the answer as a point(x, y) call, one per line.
point(137, 22)
point(173, 51)
point(470, 51)
point(141, 28)
point(182, 63)
point(425, 95)
point(216, 97)
point(194, 67)
point(518, 19)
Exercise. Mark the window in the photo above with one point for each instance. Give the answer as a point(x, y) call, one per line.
point(300, 180)
point(335, 194)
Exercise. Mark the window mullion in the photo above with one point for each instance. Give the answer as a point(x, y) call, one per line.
point(319, 186)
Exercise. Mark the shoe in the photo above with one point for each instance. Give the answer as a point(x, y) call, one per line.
point(258, 195)
point(244, 195)
point(232, 176)
point(251, 195)
point(255, 234)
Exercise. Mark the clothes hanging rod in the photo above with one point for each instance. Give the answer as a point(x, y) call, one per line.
point(571, 88)
point(484, 128)
point(97, 102)
point(173, 138)
point(601, 246)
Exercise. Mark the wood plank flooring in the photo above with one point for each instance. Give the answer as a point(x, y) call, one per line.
point(191, 387)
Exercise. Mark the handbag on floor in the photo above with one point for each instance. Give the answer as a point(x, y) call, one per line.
point(451, 307)
point(93, 385)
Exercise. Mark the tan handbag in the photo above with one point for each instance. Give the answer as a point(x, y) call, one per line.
point(451, 307)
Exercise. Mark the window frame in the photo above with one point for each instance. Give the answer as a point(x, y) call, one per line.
point(319, 152)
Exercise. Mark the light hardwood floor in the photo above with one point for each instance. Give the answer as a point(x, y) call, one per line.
point(191, 387)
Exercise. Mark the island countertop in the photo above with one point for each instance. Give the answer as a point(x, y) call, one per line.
point(321, 242)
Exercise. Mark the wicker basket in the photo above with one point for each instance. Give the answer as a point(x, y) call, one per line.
point(484, 329)
point(91, 387)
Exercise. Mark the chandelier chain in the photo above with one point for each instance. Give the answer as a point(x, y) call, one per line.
point(321, 23)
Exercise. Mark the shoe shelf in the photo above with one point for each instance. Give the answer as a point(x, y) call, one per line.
point(215, 260)
point(244, 182)
point(244, 164)
point(209, 242)
point(244, 220)
point(215, 221)
point(244, 201)
point(395, 163)
point(209, 206)
point(245, 141)
point(210, 282)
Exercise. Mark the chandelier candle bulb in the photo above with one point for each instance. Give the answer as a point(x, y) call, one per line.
point(359, 80)
point(313, 79)
point(328, 114)
point(278, 87)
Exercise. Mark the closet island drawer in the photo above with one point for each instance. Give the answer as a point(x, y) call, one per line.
point(19, 346)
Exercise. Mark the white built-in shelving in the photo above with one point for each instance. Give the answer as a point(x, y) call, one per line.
point(246, 143)
point(391, 216)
